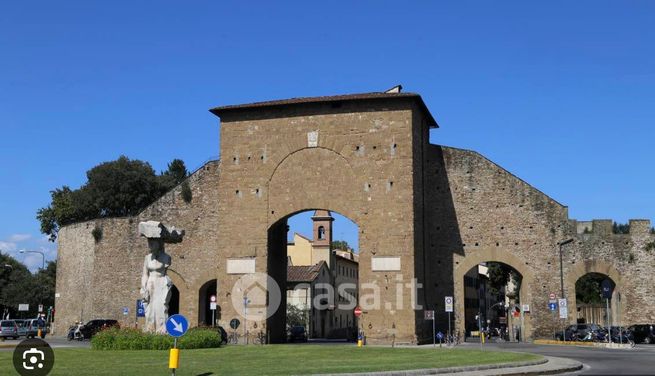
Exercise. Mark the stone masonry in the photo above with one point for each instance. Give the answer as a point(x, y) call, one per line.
point(424, 211)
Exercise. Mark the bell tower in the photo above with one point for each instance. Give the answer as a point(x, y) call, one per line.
point(322, 239)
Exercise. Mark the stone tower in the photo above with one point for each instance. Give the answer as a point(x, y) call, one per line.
point(322, 239)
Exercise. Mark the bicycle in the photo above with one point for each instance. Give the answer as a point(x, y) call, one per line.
point(258, 338)
point(452, 340)
point(233, 338)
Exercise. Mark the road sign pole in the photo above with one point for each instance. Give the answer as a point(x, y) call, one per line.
point(434, 334)
point(609, 329)
point(448, 324)
point(174, 358)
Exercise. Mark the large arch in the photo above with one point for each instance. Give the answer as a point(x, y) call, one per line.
point(325, 173)
point(485, 254)
point(578, 270)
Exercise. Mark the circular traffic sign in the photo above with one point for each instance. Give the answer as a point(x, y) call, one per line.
point(177, 325)
point(212, 298)
point(551, 296)
point(358, 311)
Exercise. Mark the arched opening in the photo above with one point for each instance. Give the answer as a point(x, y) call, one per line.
point(492, 302)
point(593, 306)
point(174, 302)
point(314, 255)
point(207, 316)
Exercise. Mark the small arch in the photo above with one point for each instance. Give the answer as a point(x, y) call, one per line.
point(205, 314)
point(497, 255)
point(174, 302)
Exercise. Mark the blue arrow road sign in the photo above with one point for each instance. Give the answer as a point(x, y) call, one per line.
point(177, 325)
point(552, 306)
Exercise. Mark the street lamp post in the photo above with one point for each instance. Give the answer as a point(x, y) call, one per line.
point(39, 252)
point(561, 280)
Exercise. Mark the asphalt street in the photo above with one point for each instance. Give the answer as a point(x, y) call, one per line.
point(597, 361)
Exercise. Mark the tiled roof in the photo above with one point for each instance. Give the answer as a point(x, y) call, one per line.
point(304, 273)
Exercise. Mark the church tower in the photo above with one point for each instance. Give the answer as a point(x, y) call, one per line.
point(322, 239)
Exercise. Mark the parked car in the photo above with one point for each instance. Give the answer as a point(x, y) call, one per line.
point(22, 329)
point(577, 331)
point(8, 329)
point(297, 333)
point(643, 333)
point(32, 328)
point(94, 326)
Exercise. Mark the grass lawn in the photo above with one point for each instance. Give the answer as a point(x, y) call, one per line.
point(264, 360)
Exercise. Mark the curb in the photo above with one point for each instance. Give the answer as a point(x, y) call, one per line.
point(583, 344)
point(434, 371)
point(7, 346)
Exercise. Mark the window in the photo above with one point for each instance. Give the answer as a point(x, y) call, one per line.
point(321, 232)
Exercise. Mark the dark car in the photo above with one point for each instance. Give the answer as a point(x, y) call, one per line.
point(643, 333)
point(92, 327)
point(297, 333)
point(577, 331)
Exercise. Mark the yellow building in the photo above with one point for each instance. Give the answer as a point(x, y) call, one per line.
point(308, 286)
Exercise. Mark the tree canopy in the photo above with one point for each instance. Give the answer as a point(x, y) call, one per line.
point(19, 286)
point(500, 275)
point(588, 288)
point(113, 189)
point(341, 244)
point(620, 228)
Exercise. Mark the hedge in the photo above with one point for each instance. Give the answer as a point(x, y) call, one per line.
point(135, 339)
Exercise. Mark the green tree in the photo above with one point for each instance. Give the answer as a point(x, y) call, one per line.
point(620, 228)
point(174, 175)
point(587, 288)
point(296, 316)
point(341, 244)
point(19, 286)
point(500, 275)
point(117, 188)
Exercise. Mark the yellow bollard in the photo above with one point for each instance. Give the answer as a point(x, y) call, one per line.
point(359, 343)
point(174, 359)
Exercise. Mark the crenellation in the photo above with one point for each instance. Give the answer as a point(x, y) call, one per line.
point(640, 227)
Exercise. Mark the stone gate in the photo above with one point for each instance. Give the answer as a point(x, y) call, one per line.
point(426, 213)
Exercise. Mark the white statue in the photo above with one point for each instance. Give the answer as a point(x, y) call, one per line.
point(155, 284)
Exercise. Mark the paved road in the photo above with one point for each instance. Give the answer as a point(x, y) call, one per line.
point(597, 361)
point(55, 342)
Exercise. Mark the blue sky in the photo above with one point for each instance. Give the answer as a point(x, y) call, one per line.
point(559, 93)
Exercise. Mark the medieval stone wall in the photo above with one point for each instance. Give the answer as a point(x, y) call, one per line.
point(75, 264)
point(482, 212)
point(98, 279)
point(624, 258)
point(439, 210)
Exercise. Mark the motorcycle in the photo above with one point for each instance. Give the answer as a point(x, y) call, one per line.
point(75, 332)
